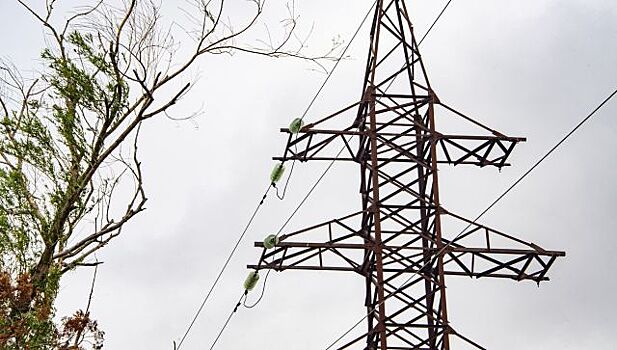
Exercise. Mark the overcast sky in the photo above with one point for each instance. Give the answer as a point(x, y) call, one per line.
point(530, 68)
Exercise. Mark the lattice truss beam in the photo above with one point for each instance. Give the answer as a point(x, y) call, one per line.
point(314, 143)
point(402, 241)
point(338, 245)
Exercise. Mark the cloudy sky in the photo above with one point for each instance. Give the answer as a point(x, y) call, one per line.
point(529, 68)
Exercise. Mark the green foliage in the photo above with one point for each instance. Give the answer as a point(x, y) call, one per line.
point(51, 178)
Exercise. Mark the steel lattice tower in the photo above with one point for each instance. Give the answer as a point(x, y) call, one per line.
point(398, 241)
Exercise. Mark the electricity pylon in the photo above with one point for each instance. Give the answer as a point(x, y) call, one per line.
point(402, 241)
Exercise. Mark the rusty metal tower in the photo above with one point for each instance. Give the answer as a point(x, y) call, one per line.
point(402, 241)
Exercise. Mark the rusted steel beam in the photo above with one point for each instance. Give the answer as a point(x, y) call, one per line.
point(396, 241)
point(328, 245)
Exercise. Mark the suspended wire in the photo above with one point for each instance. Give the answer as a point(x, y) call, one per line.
point(263, 291)
point(545, 156)
point(563, 139)
point(340, 58)
point(308, 194)
point(291, 170)
point(280, 196)
point(218, 277)
point(218, 336)
point(420, 42)
point(434, 22)
point(368, 13)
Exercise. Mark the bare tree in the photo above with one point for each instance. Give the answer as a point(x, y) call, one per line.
point(69, 136)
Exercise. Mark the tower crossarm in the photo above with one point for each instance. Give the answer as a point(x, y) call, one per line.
point(516, 264)
point(399, 146)
point(479, 253)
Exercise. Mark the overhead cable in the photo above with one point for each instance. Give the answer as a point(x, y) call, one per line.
point(272, 184)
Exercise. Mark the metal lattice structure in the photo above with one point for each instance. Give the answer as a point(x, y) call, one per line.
point(398, 241)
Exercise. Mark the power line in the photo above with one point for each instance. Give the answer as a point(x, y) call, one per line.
point(308, 194)
point(218, 277)
point(368, 13)
point(207, 297)
point(434, 22)
point(243, 296)
point(482, 213)
point(342, 55)
point(546, 155)
point(310, 191)
point(419, 43)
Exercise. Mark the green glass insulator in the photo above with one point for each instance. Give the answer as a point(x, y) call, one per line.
point(277, 173)
point(251, 280)
point(296, 125)
point(271, 241)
